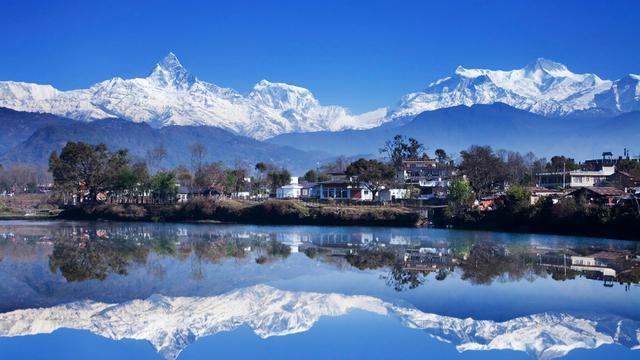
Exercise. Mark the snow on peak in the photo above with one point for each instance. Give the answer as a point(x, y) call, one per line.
point(171, 95)
point(170, 72)
point(544, 87)
point(171, 324)
point(548, 66)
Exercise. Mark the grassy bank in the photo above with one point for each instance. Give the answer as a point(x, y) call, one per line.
point(27, 206)
point(273, 212)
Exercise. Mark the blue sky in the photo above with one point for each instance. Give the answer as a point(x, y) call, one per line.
point(361, 54)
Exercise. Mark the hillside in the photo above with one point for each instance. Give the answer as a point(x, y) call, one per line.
point(498, 125)
point(30, 138)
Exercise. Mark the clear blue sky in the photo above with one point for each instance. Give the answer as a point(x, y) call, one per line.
point(361, 54)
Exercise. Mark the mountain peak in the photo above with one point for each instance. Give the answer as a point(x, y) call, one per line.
point(170, 61)
point(169, 71)
point(548, 66)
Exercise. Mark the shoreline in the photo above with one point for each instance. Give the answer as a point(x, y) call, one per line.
point(270, 212)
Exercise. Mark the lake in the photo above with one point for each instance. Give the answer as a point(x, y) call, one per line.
point(73, 290)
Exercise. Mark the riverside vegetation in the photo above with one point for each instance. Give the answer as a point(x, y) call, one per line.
point(91, 182)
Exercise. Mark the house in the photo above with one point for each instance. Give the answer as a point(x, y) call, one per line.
point(185, 193)
point(343, 190)
point(240, 195)
point(430, 189)
point(414, 171)
point(538, 193)
point(393, 194)
point(338, 176)
point(624, 180)
point(292, 190)
point(575, 178)
point(310, 191)
point(608, 196)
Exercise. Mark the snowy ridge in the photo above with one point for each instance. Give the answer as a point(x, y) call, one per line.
point(170, 95)
point(543, 87)
point(171, 324)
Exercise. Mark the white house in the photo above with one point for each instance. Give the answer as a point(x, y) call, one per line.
point(343, 190)
point(392, 194)
point(290, 191)
point(575, 178)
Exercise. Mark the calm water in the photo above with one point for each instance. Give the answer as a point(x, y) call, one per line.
point(72, 290)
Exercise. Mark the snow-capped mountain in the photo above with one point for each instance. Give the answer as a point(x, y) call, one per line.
point(623, 96)
point(543, 87)
point(171, 324)
point(171, 95)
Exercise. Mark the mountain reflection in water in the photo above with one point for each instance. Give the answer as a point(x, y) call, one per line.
point(544, 295)
point(171, 324)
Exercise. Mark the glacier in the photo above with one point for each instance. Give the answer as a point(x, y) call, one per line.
point(171, 324)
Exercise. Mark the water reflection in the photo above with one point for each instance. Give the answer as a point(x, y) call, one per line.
point(541, 294)
point(85, 251)
point(172, 324)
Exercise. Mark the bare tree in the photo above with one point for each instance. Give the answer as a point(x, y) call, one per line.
point(155, 157)
point(198, 153)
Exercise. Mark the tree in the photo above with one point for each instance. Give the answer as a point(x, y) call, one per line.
point(81, 166)
point(198, 153)
point(460, 196)
point(482, 167)
point(236, 179)
point(561, 163)
point(163, 185)
point(630, 166)
point(442, 156)
point(373, 174)
point(261, 167)
point(184, 177)
point(310, 176)
point(401, 148)
point(210, 175)
point(155, 157)
point(518, 199)
point(277, 178)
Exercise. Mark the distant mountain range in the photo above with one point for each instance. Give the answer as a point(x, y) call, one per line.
point(171, 95)
point(171, 324)
point(543, 107)
point(30, 138)
point(498, 125)
point(543, 87)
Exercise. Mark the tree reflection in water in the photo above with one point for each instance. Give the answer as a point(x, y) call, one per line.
point(97, 250)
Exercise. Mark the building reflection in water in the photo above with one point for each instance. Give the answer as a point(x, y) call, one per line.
point(83, 251)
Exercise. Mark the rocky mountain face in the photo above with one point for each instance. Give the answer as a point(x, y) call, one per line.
point(172, 324)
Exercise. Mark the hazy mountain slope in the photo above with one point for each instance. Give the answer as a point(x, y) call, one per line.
point(37, 138)
point(170, 95)
point(172, 324)
point(498, 125)
point(16, 126)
